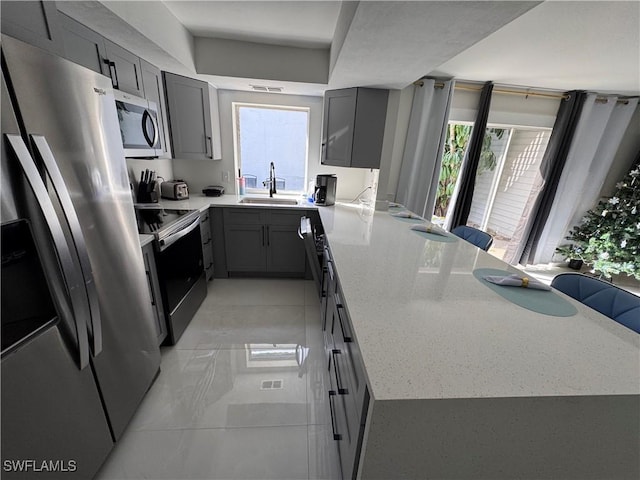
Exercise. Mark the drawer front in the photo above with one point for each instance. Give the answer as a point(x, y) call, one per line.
point(351, 359)
point(244, 216)
point(286, 217)
point(205, 227)
point(345, 426)
point(207, 259)
point(207, 244)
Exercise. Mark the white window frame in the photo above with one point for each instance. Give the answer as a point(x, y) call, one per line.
point(235, 106)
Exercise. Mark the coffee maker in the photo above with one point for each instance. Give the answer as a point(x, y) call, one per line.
point(325, 192)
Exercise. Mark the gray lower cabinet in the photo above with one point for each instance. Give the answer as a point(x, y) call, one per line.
point(348, 392)
point(33, 22)
point(154, 291)
point(246, 248)
point(189, 110)
point(125, 69)
point(259, 240)
point(153, 91)
point(83, 46)
point(353, 127)
point(216, 218)
point(207, 243)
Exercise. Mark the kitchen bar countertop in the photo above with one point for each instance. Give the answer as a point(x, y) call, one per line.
point(428, 329)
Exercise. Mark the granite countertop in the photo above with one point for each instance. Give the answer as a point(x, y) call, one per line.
point(428, 329)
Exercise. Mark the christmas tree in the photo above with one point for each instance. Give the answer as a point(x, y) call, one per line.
point(608, 237)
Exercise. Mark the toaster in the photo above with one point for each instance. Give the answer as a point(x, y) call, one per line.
point(174, 190)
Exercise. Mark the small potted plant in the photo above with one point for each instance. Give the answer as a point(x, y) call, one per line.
point(573, 253)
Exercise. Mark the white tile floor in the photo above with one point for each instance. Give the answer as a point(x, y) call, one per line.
point(210, 413)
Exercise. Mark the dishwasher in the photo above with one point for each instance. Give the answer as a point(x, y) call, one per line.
point(314, 246)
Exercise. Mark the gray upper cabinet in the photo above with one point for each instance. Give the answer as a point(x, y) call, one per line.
point(90, 49)
point(353, 127)
point(189, 112)
point(152, 82)
point(83, 46)
point(124, 69)
point(35, 23)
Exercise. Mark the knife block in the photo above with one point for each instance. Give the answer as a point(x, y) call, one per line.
point(147, 197)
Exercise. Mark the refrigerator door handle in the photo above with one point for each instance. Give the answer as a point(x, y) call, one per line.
point(46, 155)
point(71, 275)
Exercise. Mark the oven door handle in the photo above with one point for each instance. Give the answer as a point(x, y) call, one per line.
point(174, 237)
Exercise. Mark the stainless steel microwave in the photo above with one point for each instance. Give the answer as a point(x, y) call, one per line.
point(138, 126)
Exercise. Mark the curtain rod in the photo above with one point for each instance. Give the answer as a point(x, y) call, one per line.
point(565, 96)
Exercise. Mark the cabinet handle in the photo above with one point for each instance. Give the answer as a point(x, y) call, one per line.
point(336, 436)
point(268, 234)
point(330, 269)
point(207, 242)
point(113, 73)
point(135, 72)
point(323, 293)
point(153, 294)
point(206, 151)
point(346, 335)
point(341, 389)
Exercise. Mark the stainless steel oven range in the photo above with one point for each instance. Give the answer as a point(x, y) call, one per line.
point(178, 252)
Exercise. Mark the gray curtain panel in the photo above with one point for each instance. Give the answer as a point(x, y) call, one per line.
point(422, 158)
point(469, 168)
point(551, 169)
point(601, 127)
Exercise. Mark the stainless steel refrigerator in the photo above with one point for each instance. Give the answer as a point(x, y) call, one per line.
point(71, 382)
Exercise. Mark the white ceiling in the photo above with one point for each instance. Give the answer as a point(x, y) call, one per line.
point(299, 24)
point(560, 45)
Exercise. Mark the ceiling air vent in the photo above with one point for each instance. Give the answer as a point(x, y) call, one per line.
point(271, 385)
point(264, 88)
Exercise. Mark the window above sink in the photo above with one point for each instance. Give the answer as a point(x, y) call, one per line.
point(269, 133)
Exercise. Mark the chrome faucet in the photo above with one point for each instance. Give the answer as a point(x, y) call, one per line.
point(272, 180)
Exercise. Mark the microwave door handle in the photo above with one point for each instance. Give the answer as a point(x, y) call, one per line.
point(174, 237)
point(147, 117)
point(70, 273)
point(46, 155)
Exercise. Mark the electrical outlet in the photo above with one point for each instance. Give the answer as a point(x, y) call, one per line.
point(225, 176)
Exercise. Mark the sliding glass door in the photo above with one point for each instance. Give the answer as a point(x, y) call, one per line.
point(507, 173)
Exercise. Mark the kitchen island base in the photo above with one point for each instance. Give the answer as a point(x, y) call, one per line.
point(594, 437)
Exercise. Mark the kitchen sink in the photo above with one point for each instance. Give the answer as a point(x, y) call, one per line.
point(269, 201)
